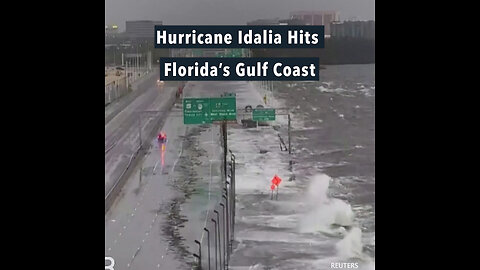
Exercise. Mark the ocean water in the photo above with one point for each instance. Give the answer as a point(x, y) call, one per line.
point(326, 214)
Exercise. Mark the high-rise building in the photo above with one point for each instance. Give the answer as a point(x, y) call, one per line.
point(141, 30)
point(316, 18)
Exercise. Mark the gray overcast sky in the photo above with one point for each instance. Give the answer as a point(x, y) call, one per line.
point(227, 11)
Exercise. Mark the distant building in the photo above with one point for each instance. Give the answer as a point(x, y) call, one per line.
point(141, 30)
point(275, 21)
point(353, 29)
point(111, 30)
point(316, 18)
point(291, 22)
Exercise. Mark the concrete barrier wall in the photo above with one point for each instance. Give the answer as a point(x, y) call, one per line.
point(115, 90)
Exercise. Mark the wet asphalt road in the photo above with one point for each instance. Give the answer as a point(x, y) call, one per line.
point(152, 225)
point(122, 132)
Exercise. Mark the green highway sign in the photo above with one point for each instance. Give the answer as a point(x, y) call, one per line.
point(263, 114)
point(224, 108)
point(206, 110)
point(196, 111)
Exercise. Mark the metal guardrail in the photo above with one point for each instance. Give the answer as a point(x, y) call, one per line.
point(115, 90)
point(219, 227)
point(224, 228)
point(222, 224)
point(123, 172)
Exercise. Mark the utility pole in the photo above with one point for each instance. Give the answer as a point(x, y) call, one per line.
point(126, 73)
point(225, 147)
point(136, 62)
point(208, 246)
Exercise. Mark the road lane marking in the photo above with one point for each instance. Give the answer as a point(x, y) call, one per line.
point(209, 192)
point(146, 186)
point(178, 158)
point(155, 167)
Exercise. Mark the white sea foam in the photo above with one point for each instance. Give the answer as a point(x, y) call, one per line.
point(324, 211)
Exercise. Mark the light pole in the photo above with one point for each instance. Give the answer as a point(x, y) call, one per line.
point(289, 142)
point(228, 222)
point(224, 235)
point(232, 187)
point(216, 229)
point(126, 72)
point(199, 254)
point(136, 61)
point(219, 239)
point(140, 130)
point(208, 246)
